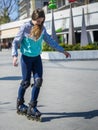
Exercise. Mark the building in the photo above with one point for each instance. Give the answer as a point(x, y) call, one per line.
point(8, 31)
point(27, 6)
point(62, 21)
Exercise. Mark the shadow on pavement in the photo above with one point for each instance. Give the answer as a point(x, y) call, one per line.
point(4, 103)
point(85, 115)
point(6, 107)
point(11, 78)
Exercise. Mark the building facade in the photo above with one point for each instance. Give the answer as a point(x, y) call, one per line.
point(27, 6)
point(8, 31)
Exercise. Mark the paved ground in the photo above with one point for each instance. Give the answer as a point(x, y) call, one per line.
point(68, 98)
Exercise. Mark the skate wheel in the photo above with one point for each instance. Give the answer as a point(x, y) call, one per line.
point(40, 119)
point(32, 119)
point(18, 112)
point(28, 117)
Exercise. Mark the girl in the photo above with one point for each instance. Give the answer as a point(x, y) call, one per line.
point(30, 37)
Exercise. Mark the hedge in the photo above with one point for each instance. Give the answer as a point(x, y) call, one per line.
point(90, 46)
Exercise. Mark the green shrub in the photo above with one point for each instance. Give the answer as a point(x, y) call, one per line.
point(46, 47)
point(90, 46)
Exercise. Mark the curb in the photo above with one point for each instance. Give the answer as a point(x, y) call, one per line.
point(75, 55)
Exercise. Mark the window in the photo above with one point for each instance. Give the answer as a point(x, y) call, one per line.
point(45, 3)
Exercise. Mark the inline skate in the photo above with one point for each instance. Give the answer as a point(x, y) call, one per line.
point(33, 113)
point(21, 107)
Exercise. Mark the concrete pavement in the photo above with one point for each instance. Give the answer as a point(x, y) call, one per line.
point(68, 98)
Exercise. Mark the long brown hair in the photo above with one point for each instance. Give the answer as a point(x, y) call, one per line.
point(37, 29)
point(35, 32)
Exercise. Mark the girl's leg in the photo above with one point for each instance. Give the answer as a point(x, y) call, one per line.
point(26, 68)
point(37, 72)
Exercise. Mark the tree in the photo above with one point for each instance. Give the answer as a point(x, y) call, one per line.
point(8, 9)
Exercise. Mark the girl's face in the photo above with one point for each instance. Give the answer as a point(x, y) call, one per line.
point(38, 21)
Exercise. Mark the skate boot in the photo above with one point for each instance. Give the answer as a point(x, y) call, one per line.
point(21, 107)
point(33, 113)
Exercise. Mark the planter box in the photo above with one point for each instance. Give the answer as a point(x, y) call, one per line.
point(75, 55)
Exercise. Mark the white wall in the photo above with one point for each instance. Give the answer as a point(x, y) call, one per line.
point(62, 17)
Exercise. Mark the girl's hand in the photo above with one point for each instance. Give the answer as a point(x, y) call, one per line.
point(67, 54)
point(15, 61)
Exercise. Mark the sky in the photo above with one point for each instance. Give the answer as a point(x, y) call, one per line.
point(14, 13)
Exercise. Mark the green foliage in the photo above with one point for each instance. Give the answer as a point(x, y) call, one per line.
point(59, 30)
point(76, 47)
point(46, 47)
point(60, 37)
point(7, 10)
point(52, 4)
point(91, 46)
point(5, 17)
